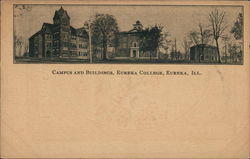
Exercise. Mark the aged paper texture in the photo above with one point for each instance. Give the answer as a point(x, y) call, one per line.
point(135, 79)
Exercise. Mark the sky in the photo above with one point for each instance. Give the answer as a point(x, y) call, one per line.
point(177, 20)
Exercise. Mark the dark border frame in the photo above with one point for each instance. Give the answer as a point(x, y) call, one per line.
point(200, 5)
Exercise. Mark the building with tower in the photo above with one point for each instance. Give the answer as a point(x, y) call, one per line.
point(59, 39)
point(128, 44)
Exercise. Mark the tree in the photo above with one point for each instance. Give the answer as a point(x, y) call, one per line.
point(237, 29)
point(21, 9)
point(205, 34)
point(104, 27)
point(218, 26)
point(186, 46)
point(166, 41)
point(202, 36)
point(225, 40)
point(151, 39)
point(18, 44)
point(194, 37)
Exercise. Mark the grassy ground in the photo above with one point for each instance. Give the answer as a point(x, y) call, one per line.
point(20, 60)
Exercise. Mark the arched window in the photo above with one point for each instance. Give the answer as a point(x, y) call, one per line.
point(135, 44)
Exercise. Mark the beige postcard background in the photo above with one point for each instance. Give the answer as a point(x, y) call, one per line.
point(100, 116)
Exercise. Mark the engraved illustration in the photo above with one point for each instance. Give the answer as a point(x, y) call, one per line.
point(120, 34)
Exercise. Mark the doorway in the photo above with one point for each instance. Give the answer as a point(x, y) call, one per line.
point(134, 53)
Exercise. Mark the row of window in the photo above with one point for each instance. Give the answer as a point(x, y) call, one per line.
point(125, 44)
point(208, 57)
point(83, 45)
point(64, 36)
point(48, 37)
point(82, 54)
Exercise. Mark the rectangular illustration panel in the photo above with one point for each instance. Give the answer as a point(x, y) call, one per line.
point(189, 34)
point(124, 79)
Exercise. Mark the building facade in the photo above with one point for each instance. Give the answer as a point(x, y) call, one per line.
point(204, 53)
point(128, 45)
point(59, 39)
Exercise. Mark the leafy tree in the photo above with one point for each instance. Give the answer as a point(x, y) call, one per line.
point(104, 27)
point(237, 29)
point(218, 26)
point(151, 39)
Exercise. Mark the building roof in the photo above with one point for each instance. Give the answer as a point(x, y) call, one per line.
point(34, 35)
point(203, 45)
point(60, 12)
point(73, 30)
point(137, 29)
point(47, 27)
point(82, 32)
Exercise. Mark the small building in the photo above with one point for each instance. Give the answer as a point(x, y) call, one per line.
point(128, 44)
point(59, 39)
point(204, 53)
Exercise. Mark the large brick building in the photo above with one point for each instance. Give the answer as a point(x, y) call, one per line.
point(59, 39)
point(128, 44)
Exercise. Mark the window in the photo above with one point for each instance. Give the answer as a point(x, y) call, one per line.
point(81, 45)
point(48, 36)
point(48, 45)
point(65, 44)
point(202, 57)
point(80, 39)
point(135, 44)
point(124, 45)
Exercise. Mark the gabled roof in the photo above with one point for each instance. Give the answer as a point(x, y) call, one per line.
point(34, 35)
point(47, 27)
point(82, 32)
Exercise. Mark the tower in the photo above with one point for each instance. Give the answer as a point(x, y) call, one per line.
point(61, 17)
point(138, 26)
point(62, 32)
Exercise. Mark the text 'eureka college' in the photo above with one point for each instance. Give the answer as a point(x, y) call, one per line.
point(120, 72)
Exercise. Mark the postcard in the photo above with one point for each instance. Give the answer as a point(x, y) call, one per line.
point(124, 79)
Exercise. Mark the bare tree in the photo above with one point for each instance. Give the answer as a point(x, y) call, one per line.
point(21, 9)
point(186, 46)
point(205, 34)
point(166, 44)
point(202, 36)
point(194, 37)
point(218, 26)
point(225, 40)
